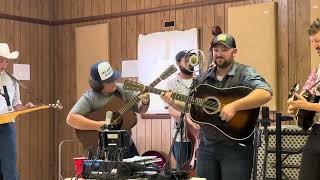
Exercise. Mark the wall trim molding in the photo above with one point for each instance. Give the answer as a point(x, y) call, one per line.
point(25, 19)
point(114, 15)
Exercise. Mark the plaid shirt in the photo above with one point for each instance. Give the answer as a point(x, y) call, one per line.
point(312, 79)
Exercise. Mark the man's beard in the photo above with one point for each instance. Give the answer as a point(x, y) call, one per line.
point(185, 71)
point(225, 64)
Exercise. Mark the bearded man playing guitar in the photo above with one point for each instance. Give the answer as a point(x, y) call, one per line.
point(310, 164)
point(103, 91)
point(221, 157)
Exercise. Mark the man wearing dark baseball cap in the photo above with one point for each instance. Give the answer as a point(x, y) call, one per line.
point(224, 50)
point(103, 90)
point(219, 155)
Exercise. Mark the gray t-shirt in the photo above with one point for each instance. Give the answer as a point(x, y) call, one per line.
point(91, 101)
point(180, 86)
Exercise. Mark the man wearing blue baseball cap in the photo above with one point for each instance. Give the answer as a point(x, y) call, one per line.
point(103, 89)
point(219, 156)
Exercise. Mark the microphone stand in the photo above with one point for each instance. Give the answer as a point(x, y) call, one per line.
point(166, 172)
point(264, 122)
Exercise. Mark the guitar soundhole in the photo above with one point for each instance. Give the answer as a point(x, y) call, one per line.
point(215, 105)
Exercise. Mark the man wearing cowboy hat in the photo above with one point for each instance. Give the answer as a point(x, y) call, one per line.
point(8, 130)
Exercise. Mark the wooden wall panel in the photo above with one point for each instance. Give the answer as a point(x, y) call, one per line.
point(33, 134)
point(34, 137)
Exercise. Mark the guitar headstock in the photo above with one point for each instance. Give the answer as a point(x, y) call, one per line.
point(168, 72)
point(57, 105)
point(294, 89)
point(131, 85)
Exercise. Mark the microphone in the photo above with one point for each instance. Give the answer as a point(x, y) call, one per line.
point(107, 121)
point(109, 115)
point(193, 60)
point(7, 97)
point(265, 120)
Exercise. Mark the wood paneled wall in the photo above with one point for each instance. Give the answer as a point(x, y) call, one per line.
point(34, 131)
point(51, 52)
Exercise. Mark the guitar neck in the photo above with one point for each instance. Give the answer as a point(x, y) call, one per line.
point(195, 101)
point(130, 104)
point(9, 117)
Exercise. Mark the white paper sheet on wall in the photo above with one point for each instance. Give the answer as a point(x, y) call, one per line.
point(130, 68)
point(156, 52)
point(21, 71)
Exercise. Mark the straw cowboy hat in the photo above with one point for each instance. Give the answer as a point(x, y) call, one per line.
point(5, 52)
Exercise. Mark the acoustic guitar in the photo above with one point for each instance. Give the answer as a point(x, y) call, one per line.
point(10, 116)
point(304, 117)
point(206, 103)
point(122, 117)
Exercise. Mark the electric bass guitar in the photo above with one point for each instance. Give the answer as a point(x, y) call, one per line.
point(304, 117)
point(10, 116)
point(206, 104)
point(122, 115)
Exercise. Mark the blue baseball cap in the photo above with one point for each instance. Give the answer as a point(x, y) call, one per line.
point(181, 55)
point(103, 72)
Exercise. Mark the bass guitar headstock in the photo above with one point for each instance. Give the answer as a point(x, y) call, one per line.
point(131, 85)
point(168, 72)
point(57, 105)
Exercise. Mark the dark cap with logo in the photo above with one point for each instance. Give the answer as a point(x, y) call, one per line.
point(224, 39)
point(102, 72)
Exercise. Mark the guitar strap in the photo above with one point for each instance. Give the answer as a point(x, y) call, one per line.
point(17, 81)
point(24, 87)
point(204, 77)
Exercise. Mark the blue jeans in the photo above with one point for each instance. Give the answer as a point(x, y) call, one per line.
point(224, 161)
point(8, 152)
point(185, 153)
